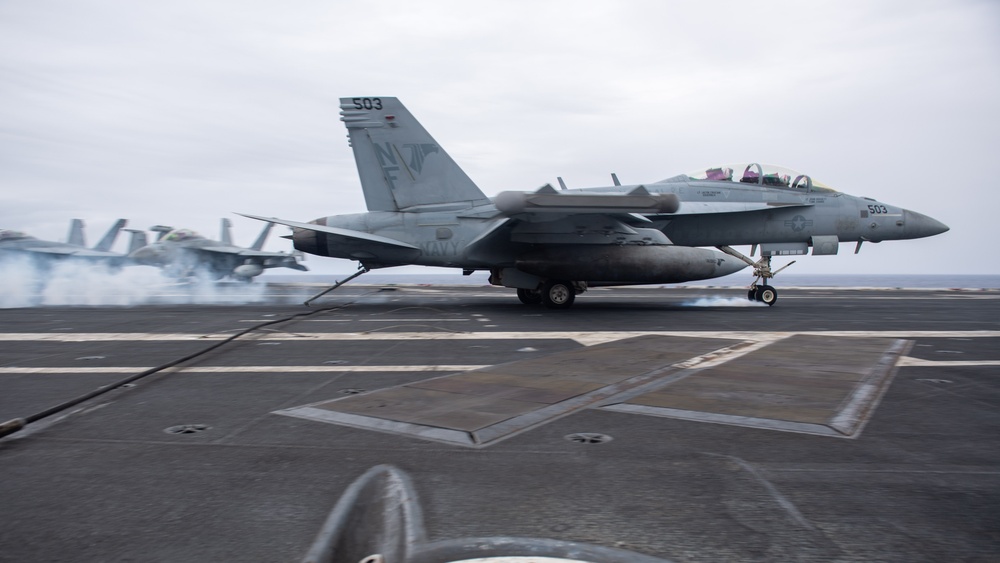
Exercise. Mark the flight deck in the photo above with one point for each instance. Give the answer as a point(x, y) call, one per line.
point(645, 424)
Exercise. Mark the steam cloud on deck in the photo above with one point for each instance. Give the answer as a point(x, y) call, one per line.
point(26, 283)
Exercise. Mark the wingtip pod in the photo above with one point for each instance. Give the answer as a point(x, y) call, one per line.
point(513, 203)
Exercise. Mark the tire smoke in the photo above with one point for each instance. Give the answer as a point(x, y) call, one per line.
point(723, 302)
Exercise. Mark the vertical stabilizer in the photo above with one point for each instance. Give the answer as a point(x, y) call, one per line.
point(76, 233)
point(137, 241)
point(225, 232)
point(400, 164)
point(262, 237)
point(108, 241)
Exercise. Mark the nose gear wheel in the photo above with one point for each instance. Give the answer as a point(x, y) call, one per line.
point(762, 272)
point(763, 293)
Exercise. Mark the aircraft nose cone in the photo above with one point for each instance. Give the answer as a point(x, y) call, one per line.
point(918, 225)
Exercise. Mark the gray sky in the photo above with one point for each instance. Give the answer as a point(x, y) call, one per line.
point(182, 112)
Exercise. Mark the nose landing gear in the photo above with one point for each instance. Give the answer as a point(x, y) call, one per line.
point(762, 272)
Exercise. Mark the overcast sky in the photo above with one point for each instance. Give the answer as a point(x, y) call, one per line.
point(182, 112)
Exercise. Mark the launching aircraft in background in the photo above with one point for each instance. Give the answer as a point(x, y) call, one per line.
point(551, 245)
point(45, 251)
point(184, 253)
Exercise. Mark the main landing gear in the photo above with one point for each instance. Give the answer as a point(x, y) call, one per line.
point(763, 292)
point(529, 296)
point(554, 294)
point(558, 294)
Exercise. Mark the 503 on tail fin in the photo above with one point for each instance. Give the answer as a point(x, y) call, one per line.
point(400, 165)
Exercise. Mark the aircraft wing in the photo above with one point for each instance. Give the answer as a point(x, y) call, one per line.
point(71, 251)
point(338, 232)
point(235, 250)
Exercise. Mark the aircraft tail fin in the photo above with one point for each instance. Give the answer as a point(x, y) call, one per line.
point(400, 165)
point(108, 241)
point(226, 233)
point(262, 237)
point(137, 241)
point(76, 233)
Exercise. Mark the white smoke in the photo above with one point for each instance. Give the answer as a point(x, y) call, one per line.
point(18, 282)
point(23, 283)
point(723, 302)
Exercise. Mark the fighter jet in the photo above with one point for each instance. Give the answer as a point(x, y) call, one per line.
point(44, 252)
point(551, 245)
point(183, 253)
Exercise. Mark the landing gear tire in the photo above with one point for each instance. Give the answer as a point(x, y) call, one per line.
point(529, 296)
point(752, 294)
point(767, 295)
point(558, 294)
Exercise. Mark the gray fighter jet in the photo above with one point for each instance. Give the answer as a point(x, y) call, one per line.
point(184, 253)
point(551, 245)
point(44, 252)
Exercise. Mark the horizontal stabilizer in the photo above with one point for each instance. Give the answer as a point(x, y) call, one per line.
point(514, 203)
point(346, 233)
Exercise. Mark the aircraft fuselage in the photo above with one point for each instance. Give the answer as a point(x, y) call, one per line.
point(711, 214)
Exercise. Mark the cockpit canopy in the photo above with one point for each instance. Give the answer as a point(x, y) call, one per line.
point(766, 175)
point(178, 235)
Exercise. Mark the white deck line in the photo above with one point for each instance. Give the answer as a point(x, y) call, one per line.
point(586, 338)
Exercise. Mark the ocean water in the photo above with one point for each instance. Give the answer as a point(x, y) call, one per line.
point(783, 280)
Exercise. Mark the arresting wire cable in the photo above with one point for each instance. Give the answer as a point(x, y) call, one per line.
point(18, 424)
